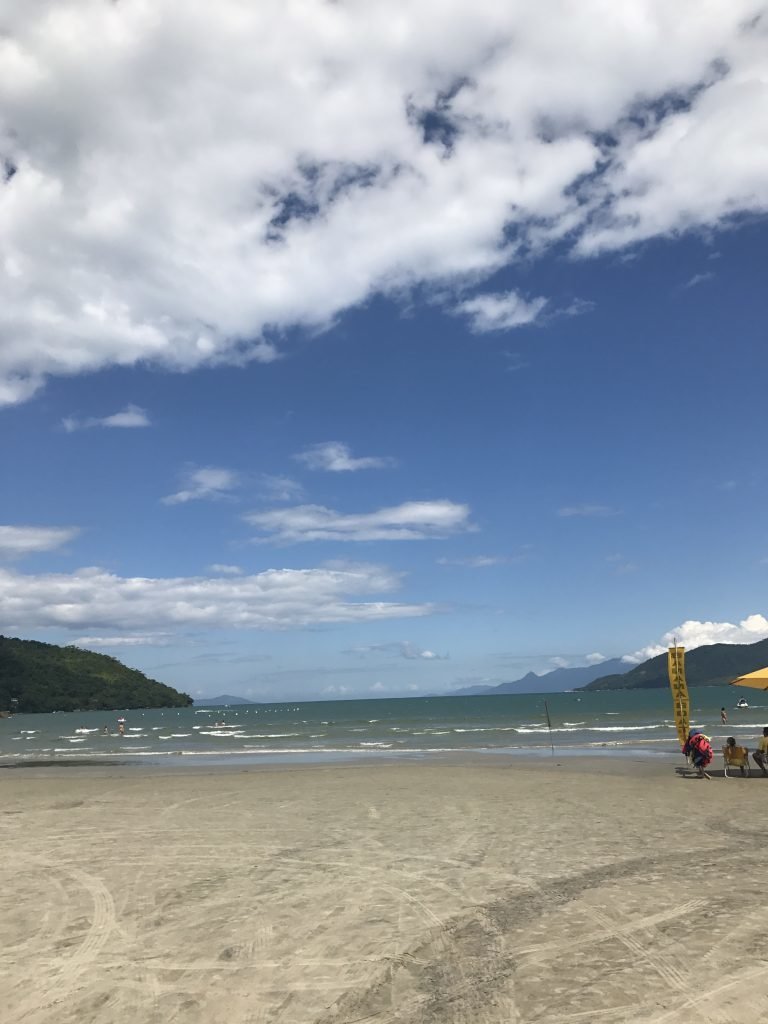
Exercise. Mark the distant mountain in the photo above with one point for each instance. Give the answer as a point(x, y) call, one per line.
point(712, 665)
point(557, 681)
point(44, 677)
point(224, 700)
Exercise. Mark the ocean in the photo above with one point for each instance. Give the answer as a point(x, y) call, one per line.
point(300, 731)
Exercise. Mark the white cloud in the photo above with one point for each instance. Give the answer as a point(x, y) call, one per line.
point(402, 648)
point(698, 279)
point(595, 659)
point(207, 177)
point(130, 417)
point(208, 482)
point(17, 541)
point(281, 488)
point(691, 634)
point(96, 600)
point(478, 561)
point(336, 457)
point(500, 312)
point(413, 520)
point(225, 570)
point(135, 640)
point(515, 362)
point(587, 511)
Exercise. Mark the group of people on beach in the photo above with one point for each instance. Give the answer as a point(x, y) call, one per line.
point(698, 747)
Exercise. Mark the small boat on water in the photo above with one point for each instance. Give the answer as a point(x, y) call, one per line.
point(742, 703)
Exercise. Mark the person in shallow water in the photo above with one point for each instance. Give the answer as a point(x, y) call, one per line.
point(699, 749)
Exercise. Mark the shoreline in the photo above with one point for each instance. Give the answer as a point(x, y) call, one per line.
point(215, 761)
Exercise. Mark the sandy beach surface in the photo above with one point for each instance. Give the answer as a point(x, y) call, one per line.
point(474, 892)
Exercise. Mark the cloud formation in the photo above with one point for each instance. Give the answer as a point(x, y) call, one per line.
point(500, 312)
point(692, 633)
point(413, 520)
point(336, 457)
point(587, 511)
point(208, 177)
point(131, 640)
point(281, 488)
point(595, 659)
point(17, 541)
point(131, 416)
point(208, 482)
point(698, 279)
point(480, 561)
point(93, 599)
point(402, 648)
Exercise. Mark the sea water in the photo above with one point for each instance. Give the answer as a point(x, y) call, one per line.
point(586, 722)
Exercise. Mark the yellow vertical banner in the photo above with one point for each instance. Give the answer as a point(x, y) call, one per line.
point(676, 665)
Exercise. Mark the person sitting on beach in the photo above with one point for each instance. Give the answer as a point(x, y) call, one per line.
point(760, 756)
point(735, 753)
point(699, 749)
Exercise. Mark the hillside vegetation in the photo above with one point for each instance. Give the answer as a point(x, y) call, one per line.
point(712, 665)
point(43, 677)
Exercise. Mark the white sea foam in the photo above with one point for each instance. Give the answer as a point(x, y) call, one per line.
point(490, 728)
point(596, 728)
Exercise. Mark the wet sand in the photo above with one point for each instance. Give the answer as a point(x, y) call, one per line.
point(474, 892)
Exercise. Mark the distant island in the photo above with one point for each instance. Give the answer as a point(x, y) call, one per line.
point(713, 665)
point(38, 677)
point(222, 701)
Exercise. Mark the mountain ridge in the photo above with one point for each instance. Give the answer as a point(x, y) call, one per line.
point(40, 677)
point(556, 681)
point(709, 665)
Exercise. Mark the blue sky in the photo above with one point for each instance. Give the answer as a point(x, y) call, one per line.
point(502, 410)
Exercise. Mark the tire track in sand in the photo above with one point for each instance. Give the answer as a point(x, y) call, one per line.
point(66, 970)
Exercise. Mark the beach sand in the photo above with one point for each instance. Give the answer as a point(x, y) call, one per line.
point(474, 892)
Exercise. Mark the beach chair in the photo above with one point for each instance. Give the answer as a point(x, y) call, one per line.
point(735, 757)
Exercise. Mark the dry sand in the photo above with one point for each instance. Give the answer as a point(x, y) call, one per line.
point(480, 892)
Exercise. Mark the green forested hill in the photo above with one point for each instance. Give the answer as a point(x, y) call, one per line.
point(44, 677)
point(712, 665)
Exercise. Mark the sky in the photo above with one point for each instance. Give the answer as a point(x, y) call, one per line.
point(374, 348)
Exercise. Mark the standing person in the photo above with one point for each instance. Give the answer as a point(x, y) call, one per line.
point(699, 749)
point(760, 756)
point(723, 716)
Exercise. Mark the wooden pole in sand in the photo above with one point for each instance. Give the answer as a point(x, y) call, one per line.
point(549, 726)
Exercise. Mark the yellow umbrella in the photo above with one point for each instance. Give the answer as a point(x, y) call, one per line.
point(756, 680)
